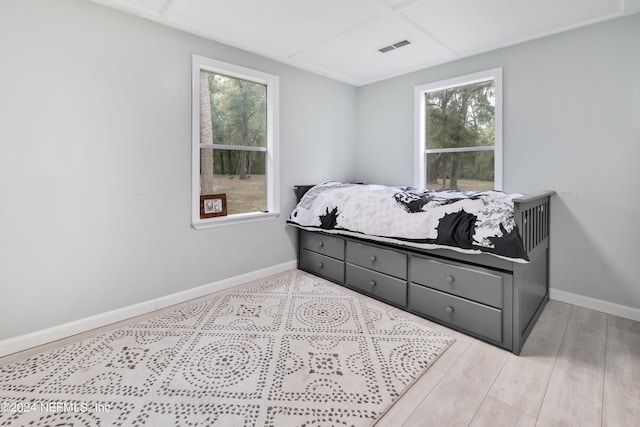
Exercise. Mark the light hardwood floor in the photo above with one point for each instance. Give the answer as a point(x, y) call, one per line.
point(579, 367)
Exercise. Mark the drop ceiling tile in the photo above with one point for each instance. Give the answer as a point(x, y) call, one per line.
point(400, 3)
point(631, 6)
point(355, 55)
point(471, 26)
point(274, 27)
point(152, 7)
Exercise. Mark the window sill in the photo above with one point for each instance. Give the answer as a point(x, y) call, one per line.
point(200, 224)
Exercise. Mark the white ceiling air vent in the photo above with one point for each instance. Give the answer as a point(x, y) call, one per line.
point(394, 46)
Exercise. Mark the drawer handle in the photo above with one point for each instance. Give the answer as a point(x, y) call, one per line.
point(450, 279)
point(373, 258)
point(321, 244)
point(320, 264)
point(449, 309)
point(372, 283)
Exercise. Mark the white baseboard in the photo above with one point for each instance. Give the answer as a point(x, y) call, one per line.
point(37, 338)
point(596, 304)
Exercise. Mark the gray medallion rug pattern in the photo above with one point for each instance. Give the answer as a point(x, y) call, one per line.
point(288, 350)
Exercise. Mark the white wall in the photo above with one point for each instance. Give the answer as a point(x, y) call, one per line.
point(571, 124)
point(95, 166)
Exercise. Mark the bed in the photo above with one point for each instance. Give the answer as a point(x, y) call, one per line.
point(477, 262)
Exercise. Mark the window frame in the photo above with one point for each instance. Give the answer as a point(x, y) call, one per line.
point(420, 122)
point(272, 167)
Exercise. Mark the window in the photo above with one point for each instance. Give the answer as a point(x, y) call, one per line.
point(234, 141)
point(459, 133)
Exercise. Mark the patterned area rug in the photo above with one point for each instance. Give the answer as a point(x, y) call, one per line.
point(289, 350)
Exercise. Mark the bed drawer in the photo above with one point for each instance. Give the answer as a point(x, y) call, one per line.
point(323, 244)
point(377, 284)
point(468, 315)
point(374, 258)
point(322, 265)
point(468, 282)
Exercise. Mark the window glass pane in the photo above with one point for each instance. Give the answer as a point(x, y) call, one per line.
point(472, 170)
point(460, 132)
point(237, 173)
point(237, 111)
point(462, 116)
point(234, 142)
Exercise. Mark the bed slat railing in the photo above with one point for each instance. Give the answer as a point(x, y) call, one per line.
point(532, 217)
point(535, 225)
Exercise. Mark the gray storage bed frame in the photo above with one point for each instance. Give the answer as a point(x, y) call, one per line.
point(481, 295)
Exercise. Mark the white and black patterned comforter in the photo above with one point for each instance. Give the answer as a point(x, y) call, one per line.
point(465, 221)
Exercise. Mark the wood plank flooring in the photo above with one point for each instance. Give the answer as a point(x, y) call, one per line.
point(579, 367)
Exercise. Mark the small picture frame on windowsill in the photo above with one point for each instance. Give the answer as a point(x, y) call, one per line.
point(213, 205)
